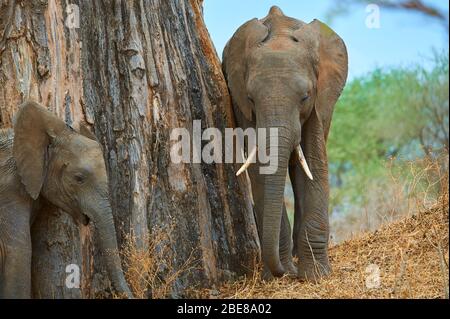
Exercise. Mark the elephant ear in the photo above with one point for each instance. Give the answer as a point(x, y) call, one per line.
point(234, 62)
point(331, 72)
point(34, 129)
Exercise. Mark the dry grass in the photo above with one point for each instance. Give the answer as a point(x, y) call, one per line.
point(407, 188)
point(150, 268)
point(396, 247)
point(411, 256)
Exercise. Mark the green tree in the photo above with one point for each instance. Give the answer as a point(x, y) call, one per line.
point(390, 113)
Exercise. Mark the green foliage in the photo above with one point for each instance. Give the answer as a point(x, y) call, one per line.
point(399, 112)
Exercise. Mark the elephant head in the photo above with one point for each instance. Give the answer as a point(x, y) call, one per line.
point(286, 74)
point(68, 170)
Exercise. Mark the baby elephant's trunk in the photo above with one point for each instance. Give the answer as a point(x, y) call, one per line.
point(103, 220)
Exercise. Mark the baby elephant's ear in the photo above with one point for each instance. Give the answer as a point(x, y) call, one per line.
point(234, 62)
point(34, 128)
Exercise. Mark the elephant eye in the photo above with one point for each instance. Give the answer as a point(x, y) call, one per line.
point(251, 100)
point(79, 178)
point(305, 98)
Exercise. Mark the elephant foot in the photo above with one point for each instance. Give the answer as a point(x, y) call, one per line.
point(266, 275)
point(313, 271)
point(291, 269)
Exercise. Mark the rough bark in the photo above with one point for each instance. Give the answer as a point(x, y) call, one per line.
point(132, 71)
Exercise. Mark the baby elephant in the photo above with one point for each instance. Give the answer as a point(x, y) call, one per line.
point(45, 159)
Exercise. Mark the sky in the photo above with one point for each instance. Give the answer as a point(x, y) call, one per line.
point(403, 39)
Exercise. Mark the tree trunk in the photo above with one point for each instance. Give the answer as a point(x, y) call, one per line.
point(132, 71)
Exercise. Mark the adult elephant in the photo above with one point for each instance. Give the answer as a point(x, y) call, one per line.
point(43, 159)
point(283, 73)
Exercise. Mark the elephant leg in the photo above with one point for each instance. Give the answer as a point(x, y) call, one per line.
point(312, 226)
point(257, 182)
point(15, 244)
point(286, 244)
point(295, 178)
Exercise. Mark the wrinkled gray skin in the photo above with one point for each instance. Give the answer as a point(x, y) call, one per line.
point(44, 159)
point(287, 74)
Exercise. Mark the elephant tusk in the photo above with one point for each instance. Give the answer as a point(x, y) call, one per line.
point(247, 163)
point(302, 159)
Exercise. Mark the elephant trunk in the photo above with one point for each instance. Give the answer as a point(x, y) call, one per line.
point(103, 220)
point(273, 199)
